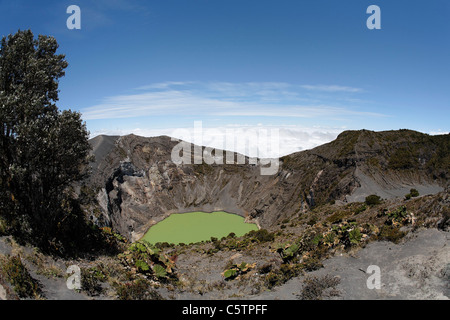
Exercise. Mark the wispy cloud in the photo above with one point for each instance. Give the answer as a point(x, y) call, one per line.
point(332, 88)
point(274, 99)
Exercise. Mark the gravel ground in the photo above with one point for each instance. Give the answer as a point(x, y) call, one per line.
point(419, 268)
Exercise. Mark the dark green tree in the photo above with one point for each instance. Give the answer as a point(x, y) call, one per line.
point(43, 150)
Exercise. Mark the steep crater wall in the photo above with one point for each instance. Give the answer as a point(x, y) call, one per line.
point(138, 185)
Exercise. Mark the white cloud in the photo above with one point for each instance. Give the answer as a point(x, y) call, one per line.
point(439, 132)
point(331, 88)
point(261, 141)
point(275, 99)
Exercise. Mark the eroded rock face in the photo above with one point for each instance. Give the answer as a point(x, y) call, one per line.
point(138, 184)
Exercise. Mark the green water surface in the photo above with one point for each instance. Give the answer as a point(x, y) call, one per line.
point(194, 227)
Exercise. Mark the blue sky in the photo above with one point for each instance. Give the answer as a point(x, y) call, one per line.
point(310, 68)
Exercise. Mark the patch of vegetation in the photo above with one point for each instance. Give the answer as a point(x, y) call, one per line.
point(242, 243)
point(412, 193)
point(146, 259)
point(280, 276)
point(140, 289)
point(312, 220)
point(361, 208)
point(374, 162)
point(314, 288)
point(237, 270)
point(391, 233)
point(261, 235)
point(91, 279)
point(344, 234)
point(403, 158)
point(349, 139)
point(19, 277)
point(288, 252)
point(338, 216)
point(312, 263)
point(373, 200)
point(45, 268)
point(398, 216)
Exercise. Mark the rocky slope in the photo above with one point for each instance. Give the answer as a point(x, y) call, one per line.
point(137, 184)
point(412, 255)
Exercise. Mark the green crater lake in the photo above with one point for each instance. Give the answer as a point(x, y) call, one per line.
point(194, 227)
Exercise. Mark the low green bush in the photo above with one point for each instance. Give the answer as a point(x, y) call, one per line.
point(262, 235)
point(373, 200)
point(391, 233)
point(412, 193)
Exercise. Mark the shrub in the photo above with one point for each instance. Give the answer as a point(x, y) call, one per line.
point(317, 239)
point(360, 209)
point(24, 285)
point(346, 234)
point(149, 261)
point(355, 236)
point(314, 287)
point(329, 238)
point(413, 192)
point(273, 279)
point(312, 221)
point(399, 215)
point(236, 270)
point(373, 200)
point(337, 216)
point(136, 290)
point(262, 235)
point(90, 281)
point(290, 270)
point(312, 264)
point(391, 233)
point(283, 274)
point(288, 252)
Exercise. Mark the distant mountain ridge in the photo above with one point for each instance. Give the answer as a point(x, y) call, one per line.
point(136, 183)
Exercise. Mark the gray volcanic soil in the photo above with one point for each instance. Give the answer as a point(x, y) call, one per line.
point(387, 188)
point(416, 269)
